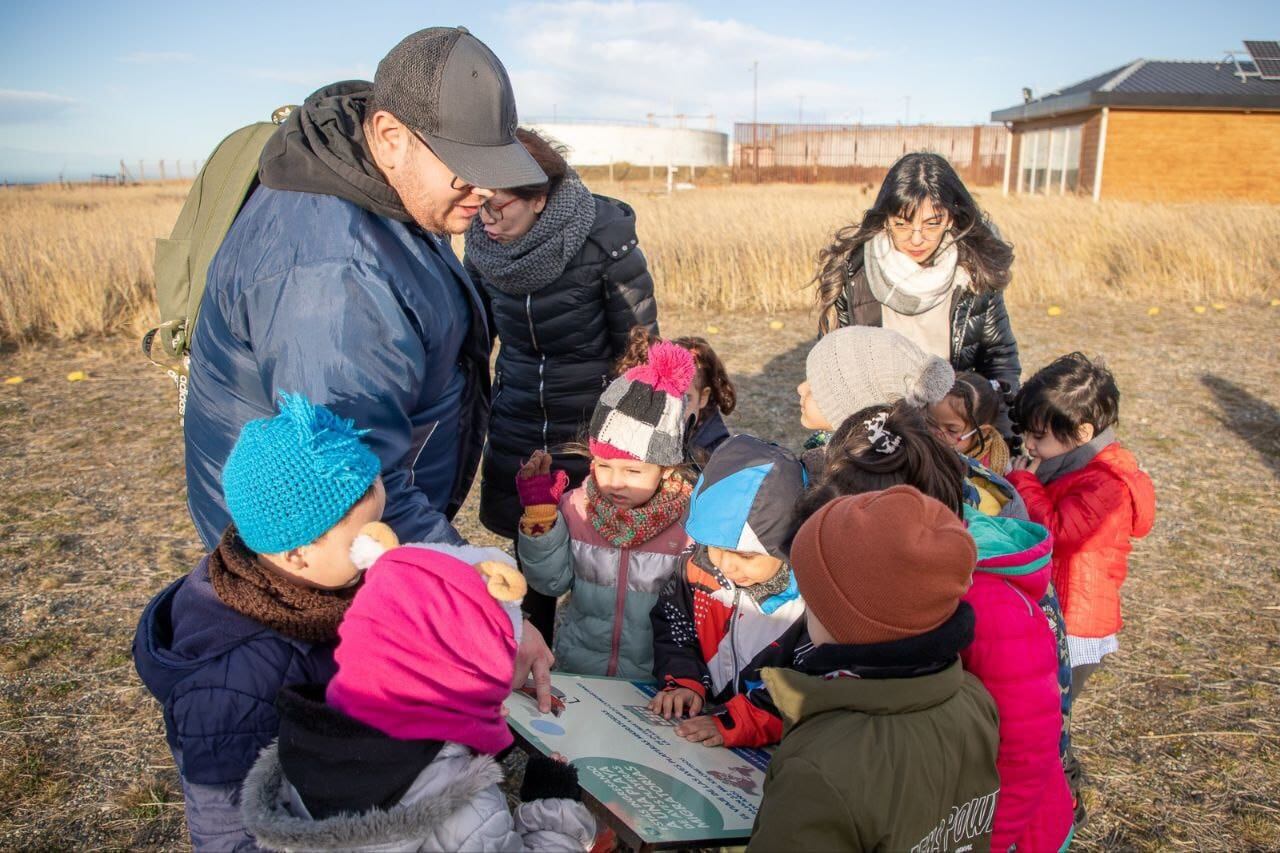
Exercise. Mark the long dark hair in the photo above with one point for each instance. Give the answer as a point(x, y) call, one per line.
point(854, 464)
point(911, 180)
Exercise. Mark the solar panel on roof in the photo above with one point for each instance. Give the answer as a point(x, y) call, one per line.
point(1266, 58)
point(1263, 49)
point(1268, 69)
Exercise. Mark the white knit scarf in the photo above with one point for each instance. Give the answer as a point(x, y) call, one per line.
point(905, 286)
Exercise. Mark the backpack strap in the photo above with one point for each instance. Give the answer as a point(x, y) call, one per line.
point(182, 260)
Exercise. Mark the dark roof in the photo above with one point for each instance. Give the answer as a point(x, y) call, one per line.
point(1156, 83)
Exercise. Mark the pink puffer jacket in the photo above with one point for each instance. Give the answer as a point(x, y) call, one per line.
point(1014, 654)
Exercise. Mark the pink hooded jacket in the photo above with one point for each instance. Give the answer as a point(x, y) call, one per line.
point(1014, 654)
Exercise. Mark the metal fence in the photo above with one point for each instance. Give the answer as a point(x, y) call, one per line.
point(862, 153)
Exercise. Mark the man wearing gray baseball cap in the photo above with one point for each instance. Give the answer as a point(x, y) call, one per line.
point(337, 280)
point(453, 93)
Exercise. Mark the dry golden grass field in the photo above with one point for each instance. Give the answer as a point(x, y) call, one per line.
point(1180, 733)
point(77, 262)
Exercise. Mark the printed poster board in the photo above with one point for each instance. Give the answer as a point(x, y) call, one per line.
point(659, 789)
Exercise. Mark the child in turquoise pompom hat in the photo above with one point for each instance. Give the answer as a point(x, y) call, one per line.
point(262, 610)
point(291, 478)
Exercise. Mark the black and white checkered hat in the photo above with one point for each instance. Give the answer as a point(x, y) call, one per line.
point(641, 414)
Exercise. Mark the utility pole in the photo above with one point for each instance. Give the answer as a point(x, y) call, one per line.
point(755, 117)
point(800, 112)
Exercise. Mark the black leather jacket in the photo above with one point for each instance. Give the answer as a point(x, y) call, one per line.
point(981, 336)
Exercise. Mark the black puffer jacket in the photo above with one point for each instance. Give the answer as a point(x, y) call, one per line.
point(558, 345)
point(981, 336)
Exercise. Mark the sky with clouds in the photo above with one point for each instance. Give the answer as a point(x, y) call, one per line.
point(84, 84)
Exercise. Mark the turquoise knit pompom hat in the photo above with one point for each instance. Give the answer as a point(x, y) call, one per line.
point(291, 478)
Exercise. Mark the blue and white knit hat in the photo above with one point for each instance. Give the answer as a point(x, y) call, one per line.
point(745, 498)
point(291, 478)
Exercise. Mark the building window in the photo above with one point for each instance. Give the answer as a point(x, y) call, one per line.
point(1049, 161)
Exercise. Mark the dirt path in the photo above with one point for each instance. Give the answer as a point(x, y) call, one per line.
point(1180, 734)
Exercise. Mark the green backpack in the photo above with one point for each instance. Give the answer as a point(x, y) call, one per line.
point(226, 181)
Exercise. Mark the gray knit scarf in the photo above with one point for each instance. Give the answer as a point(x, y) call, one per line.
point(538, 258)
point(1074, 460)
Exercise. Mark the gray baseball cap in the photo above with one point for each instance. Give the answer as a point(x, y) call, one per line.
point(446, 85)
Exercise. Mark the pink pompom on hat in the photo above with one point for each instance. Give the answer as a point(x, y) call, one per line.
point(426, 653)
point(641, 414)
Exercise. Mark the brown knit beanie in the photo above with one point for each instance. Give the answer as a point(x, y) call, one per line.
point(883, 566)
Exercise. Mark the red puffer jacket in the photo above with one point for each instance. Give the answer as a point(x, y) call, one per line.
point(1093, 514)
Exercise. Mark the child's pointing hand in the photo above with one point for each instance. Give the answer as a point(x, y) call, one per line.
point(701, 730)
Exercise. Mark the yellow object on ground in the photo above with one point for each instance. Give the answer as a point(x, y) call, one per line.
point(1054, 311)
point(14, 380)
point(77, 376)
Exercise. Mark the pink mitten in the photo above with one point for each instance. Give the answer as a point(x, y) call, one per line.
point(542, 488)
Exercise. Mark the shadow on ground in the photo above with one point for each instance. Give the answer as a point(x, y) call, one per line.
point(1254, 420)
point(768, 405)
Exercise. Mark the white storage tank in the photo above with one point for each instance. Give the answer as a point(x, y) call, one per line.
point(593, 144)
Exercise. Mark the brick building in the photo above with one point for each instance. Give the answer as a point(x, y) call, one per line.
point(1153, 131)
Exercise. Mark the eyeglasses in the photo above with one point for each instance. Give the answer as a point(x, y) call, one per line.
point(954, 438)
point(494, 211)
point(927, 231)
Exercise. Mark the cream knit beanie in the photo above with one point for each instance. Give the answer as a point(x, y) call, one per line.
point(859, 366)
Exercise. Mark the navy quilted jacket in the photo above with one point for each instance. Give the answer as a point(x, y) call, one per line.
point(216, 674)
point(322, 290)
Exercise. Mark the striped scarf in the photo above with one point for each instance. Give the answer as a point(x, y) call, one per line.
point(628, 528)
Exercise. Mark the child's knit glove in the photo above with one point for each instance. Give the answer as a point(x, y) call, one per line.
point(540, 490)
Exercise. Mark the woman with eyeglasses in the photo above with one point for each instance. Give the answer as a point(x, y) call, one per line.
point(925, 261)
point(566, 282)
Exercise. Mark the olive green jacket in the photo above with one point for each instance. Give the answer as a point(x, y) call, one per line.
point(880, 764)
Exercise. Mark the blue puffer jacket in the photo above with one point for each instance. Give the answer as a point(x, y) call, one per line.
point(216, 674)
point(324, 286)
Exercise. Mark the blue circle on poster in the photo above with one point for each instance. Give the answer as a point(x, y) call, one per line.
point(546, 727)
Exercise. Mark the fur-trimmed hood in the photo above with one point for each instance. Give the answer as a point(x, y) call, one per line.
point(275, 817)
